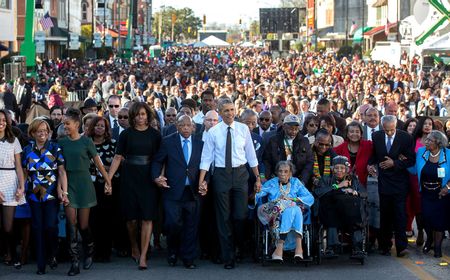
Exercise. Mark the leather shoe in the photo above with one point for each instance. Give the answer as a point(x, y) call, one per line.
point(229, 265)
point(172, 260)
point(53, 263)
point(189, 265)
point(402, 253)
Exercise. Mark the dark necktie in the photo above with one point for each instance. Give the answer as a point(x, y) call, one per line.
point(115, 135)
point(186, 156)
point(228, 165)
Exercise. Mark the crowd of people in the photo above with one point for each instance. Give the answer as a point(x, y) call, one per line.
point(198, 144)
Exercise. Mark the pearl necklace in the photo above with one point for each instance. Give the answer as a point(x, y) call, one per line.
point(435, 155)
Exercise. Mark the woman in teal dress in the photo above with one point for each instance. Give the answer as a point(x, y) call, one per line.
point(78, 151)
point(287, 198)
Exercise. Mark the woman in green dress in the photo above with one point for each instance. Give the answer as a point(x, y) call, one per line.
point(78, 151)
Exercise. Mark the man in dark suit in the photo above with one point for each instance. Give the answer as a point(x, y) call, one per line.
point(289, 144)
point(176, 80)
point(174, 100)
point(181, 155)
point(324, 107)
point(393, 153)
point(264, 123)
point(391, 109)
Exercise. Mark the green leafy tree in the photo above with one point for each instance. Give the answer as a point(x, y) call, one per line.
point(186, 23)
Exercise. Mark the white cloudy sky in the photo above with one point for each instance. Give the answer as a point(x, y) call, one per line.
point(221, 11)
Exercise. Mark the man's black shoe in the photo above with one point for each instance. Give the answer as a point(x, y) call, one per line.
point(229, 265)
point(189, 265)
point(172, 260)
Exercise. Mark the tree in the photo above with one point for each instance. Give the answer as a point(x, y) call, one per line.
point(254, 29)
point(186, 24)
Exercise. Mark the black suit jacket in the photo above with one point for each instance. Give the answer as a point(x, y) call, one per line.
point(302, 156)
point(171, 155)
point(393, 180)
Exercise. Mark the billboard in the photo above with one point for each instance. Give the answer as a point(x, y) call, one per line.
point(325, 13)
point(273, 20)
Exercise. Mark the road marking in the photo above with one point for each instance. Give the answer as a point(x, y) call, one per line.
point(415, 268)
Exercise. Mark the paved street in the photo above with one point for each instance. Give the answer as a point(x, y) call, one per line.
point(416, 266)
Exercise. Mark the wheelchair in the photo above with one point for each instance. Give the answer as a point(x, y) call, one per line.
point(344, 237)
point(266, 243)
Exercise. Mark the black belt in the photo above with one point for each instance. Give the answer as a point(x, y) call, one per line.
point(6, 168)
point(138, 160)
point(240, 166)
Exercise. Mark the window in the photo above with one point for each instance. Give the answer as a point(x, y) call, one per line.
point(62, 10)
point(84, 10)
point(4, 4)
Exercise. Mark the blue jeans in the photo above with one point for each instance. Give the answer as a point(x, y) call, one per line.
point(44, 223)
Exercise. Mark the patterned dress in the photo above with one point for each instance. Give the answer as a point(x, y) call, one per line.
point(8, 175)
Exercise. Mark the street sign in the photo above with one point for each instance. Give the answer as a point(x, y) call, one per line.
point(108, 40)
point(74, 43)
point(97, 40)
point(103, 12)
point(137, 39)
point(39, 41)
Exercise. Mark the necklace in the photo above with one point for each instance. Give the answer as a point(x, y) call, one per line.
point(436, 154)
point(285, 191)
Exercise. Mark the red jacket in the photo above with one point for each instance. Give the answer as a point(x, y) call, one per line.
point(362, 158)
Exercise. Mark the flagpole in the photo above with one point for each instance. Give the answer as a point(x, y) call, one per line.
point(68, 29)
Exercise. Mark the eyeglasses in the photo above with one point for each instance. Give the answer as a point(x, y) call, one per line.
point(113, 106)
point(122, 117)
point(264, 119)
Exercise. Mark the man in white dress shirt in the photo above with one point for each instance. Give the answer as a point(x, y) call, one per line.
point(229, 145)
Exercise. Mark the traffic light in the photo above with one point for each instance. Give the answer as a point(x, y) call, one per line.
point(38, 4)
point(204, 19)
point(240, 21)
point(189, 29)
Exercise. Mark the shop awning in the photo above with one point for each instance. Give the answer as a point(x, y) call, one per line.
point(380, 3)
point(358, 36)
point(379, 29)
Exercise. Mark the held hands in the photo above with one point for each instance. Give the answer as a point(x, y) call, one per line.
point(387, 163)
point(108, 189)
point(161, 181)
point(62, 195)
point(372, 170)
point(19, 193)
point(202, 188)
point(443, 192)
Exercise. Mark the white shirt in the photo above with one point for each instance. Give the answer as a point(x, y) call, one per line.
point(370, 131)
point(261, 131)
point(199, 117)
point(242, 150)
point(111, 123)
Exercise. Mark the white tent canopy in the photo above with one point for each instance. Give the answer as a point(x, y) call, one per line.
point(213, 41)
point(199, 44)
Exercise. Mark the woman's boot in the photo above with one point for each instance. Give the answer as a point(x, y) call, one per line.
point(88, 247)
point(72, 238)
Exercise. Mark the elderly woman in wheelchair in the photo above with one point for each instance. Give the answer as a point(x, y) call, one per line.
point(340, 200)
point(287, 200)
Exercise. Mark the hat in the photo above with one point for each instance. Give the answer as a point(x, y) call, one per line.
point(291, 120)
point(340, 160)
point(89, 103)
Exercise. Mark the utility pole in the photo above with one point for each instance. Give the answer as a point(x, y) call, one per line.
point(28, 47)
point(68, 28)
point(346, 22)
point(129, 40)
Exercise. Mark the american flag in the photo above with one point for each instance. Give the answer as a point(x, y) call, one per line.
point(46, 22)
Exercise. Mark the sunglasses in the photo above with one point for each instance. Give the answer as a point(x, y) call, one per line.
point(171, 115)
point(264, 119)
point(324, 145)
point(122, 117)
point(113, 106)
